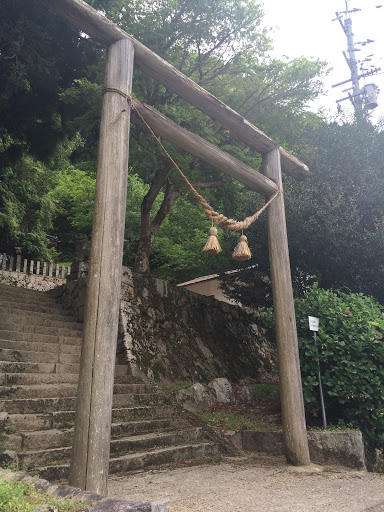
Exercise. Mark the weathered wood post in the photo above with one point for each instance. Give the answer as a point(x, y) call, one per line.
point(91, 444)
point(291, 394)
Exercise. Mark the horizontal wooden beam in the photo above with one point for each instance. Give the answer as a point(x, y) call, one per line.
point(88, 20)
point(197, 146)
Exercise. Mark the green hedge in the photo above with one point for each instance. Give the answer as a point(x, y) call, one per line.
point(351, 352)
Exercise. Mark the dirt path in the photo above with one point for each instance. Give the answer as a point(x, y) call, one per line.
point(255, 484)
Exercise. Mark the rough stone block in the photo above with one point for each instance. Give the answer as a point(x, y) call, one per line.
point(126, 506)
point(196, 398)
point(235, 438)
point(223, 390)
point(249, 394)
point(374, 459)
point(268, 442)
point(346, 448)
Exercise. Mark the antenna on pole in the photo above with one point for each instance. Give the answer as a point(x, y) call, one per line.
point(365, 98)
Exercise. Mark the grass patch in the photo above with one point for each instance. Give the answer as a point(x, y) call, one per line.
point(180, 386)
point(339, 427)
point(23, 497)
point(231, 420)
point(265, 390)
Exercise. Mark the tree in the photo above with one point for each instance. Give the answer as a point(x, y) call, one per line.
point(214, 44)
point(26, 209)
point(221, 46)
point(335, 219)
point(39, 55)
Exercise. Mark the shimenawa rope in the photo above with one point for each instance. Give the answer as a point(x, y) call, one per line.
point(242, 251)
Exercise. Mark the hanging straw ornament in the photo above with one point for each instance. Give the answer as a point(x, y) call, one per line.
point(212, 246)
point(242, 252)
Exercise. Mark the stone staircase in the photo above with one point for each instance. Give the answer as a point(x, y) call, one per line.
point(40, 347)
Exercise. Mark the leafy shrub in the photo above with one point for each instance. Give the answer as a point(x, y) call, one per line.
point(351, 352)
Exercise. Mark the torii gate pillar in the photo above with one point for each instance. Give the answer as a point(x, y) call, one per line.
point(91, 443)
point(291, 394)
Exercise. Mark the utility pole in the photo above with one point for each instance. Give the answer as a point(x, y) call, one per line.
point(351, 61)
point(365, 98)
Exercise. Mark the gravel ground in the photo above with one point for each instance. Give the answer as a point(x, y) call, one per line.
point(255, 483)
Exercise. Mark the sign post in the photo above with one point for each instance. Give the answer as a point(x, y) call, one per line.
point(314, 327)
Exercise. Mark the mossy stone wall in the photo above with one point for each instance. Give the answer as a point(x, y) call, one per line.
point(169, 334)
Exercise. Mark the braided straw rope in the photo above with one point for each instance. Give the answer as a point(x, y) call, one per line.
point(222, 220)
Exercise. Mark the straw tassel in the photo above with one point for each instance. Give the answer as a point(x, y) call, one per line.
point(212, 246)
point(242, 252)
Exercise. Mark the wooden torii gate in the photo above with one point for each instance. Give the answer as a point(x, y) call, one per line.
point(91, 444)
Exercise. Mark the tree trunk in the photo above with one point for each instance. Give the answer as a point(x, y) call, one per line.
point(149, 229)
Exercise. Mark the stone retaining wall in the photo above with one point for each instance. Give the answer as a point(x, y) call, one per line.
point(170, 334)
point(30, 281)
point(331, 447)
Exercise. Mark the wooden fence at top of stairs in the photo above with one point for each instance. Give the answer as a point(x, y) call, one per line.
point(25, 266)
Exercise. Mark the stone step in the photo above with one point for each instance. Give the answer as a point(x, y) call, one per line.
point(126, 414)
point(75, 339)
point(37, 346)
point(61, 390)
point(64, 390)
point(30, 379)
point(132, 428)
point(34, 318)
point(48, 308)
point(44, 405)
point(140, 461)
point(65, 419)
point(154, 440)
point(137, 445)
point(36, 405)
point(12, 379)
point(25, 295)
point(40, 351)
point(55, 438)
point(162, 456)
point(28, 356)
point(56, 328)
point(31, 367)
point(32, 460)
point(23, 367)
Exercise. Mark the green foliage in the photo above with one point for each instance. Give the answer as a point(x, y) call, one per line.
point(74, 196)
point(40, 55)
point(231, 420)
point(50, 99)
point(351, 351)
point(23, 497)
point(180, 386)
point(265, 390)
point(214, 44)
point(26, 209)
point(177, 250)
point(335, 218)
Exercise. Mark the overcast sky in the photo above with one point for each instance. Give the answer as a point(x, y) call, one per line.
point(305, 27)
